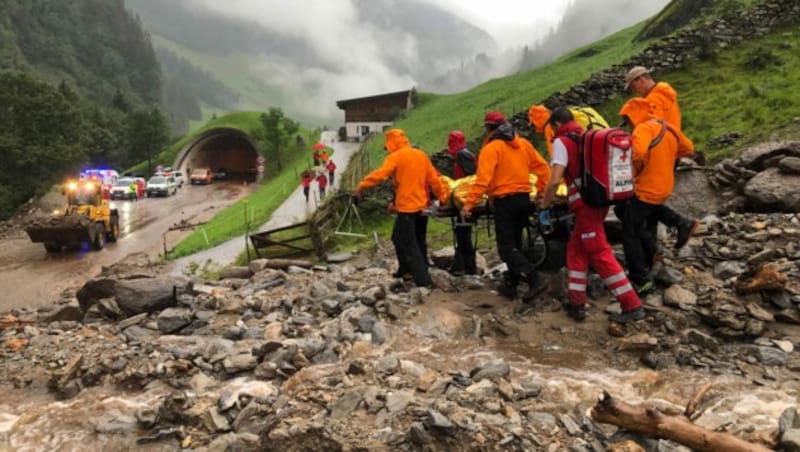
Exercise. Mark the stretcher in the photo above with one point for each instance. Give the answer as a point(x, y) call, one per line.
point(544, 245)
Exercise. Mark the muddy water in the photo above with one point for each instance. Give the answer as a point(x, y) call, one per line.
point(29, 276)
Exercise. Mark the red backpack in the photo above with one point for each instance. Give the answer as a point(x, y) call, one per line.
point(606, 166)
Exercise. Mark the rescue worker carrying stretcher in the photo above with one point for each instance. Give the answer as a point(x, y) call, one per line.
point(656, 146)
point(587, 245)
point(504, 165)
point(412, 173)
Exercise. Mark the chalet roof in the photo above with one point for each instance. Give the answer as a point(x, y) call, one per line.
point(342, 104)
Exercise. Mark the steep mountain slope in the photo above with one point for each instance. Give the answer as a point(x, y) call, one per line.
point(74, 78)
point(92, 44)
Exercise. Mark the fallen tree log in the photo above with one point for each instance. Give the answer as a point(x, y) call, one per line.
point(283, 264)
point(655, 424)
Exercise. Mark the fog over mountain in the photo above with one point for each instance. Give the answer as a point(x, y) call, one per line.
point(305, 55)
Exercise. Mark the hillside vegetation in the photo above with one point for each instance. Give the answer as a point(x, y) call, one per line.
point(79, 82)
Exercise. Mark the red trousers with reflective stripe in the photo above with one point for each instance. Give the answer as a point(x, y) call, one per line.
point(588, 246)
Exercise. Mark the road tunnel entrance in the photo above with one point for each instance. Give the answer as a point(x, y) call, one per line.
point(230, 153)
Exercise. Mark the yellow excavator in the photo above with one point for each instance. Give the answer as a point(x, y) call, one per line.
point(87, 218)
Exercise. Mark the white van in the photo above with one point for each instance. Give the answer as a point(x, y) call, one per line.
point(161, 186)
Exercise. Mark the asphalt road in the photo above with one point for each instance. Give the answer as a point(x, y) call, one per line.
point(29, 276)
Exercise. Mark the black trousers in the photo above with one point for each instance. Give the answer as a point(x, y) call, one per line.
point(408, 237)
point(510, 220)
point(639, 241)
point(330, 176)
point(464, 259)
point(305, 192)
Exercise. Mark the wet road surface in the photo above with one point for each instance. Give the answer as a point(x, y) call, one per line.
point(29, 276)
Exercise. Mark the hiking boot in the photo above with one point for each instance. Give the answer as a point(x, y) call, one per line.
point(536, 286)
point(404, 275)
point(684, 232)
point(644, 288)
point(507, 290)
point(576, 311)
point(629, 316)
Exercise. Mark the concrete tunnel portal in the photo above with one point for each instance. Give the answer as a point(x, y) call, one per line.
point(227, 149)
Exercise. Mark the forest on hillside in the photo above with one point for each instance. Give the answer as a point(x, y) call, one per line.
point(80, 85)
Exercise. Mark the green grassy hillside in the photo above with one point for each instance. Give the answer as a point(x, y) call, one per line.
point(429, 123)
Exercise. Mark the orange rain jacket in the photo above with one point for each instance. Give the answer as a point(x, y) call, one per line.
point(411, 172)
point(665, 102)
point(504, 166)
point(538, 115)
point(654, 168)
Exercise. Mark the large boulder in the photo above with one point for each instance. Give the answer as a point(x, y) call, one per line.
point(133, 296)
point(767, 154)
point(773, 191)
point(693, 195)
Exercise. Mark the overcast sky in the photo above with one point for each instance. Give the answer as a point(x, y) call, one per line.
point(510, 22)
point(354, 54)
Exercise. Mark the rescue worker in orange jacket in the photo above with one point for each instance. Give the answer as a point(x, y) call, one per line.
point(664, 102)
point(661, 94)
point(504, 165)
point(656, 146)
point(412, 173)
point(587, 245)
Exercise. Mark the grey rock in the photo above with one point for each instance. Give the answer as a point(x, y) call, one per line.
point(667, 275)
point(790, 315)
point(387, 365)
point(789, 419)
point(790, 441)
point(216, 421)
point(337, 258)
point(67, 313)
point(543, 421)
point(770, 356)
point(572, 427)
point(418, 435)
point(729, 269)
point(773, 191)
point(785, 346)
point(130, 321)
point(677, 296)
point(399, 400)
point(330, 307)
point(702, 340)
point(755, 156)
point(438, 420)
point(137, 333)
point(380, 334)
point(345, 405)
point(371, 295)
point(693, 194)
point(765, 255)
point(173, 319)
point(491, 370)
point(236, 272)
point(239, 362)
point(366, 322)
point(319, 290)
point(790, 165)
point(133, 296)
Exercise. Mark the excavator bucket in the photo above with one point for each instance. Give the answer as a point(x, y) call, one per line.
point(58, 234)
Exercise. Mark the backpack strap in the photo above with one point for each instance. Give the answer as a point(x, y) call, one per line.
point(660, 136)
